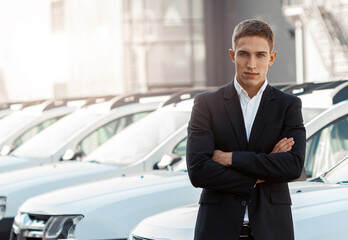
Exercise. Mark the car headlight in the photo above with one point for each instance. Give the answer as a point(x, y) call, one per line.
point(2, 206)
point(61, 227)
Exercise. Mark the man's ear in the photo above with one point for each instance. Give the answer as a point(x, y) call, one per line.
point(232, 55)
point(272, 58)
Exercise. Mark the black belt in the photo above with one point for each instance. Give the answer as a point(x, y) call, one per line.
point(245, 233)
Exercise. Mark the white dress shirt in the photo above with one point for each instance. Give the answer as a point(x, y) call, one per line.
point(249, 108)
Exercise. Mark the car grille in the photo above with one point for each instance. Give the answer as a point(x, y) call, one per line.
point(31, 228)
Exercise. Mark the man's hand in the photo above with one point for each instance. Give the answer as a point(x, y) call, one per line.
point(224, 158)
point(284, 145)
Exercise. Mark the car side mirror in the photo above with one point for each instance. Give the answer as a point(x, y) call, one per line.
point(167, 161)
point(5, 150)
point(71, 154)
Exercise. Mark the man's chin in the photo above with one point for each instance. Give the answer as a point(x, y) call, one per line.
point(252, 82)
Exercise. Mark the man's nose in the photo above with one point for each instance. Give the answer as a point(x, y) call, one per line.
point(251, 62)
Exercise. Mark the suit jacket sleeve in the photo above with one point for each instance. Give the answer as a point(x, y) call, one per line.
point(278, 167)
point(203, 171)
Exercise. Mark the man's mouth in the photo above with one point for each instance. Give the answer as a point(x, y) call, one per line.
point(251, 73)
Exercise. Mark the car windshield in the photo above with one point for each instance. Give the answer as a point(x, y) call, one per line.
point(339, 173)
point(140, 138)
point(13, 121)
point(46, 142)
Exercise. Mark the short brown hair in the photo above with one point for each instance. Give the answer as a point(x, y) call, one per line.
point(253, 27)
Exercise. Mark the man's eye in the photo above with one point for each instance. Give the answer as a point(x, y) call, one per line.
point(260, 54)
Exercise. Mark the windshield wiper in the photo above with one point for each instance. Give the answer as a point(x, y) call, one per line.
point(318, 179)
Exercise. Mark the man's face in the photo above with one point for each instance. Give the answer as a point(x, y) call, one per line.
point(252, 57)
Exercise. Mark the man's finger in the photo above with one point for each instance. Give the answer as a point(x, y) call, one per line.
point(281, 143)
point(285, 144)
point(287, 147)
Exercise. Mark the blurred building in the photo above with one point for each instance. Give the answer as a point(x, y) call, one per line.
point(88, 42)
point(321, 38)
point(113, 46)
point(186, 42)
point(164, 43)
point(62, 48)
point(25, 50)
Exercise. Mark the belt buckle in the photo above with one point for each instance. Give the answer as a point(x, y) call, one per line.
point(246, 231)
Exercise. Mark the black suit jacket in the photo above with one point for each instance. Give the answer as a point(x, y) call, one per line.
point(217, 124)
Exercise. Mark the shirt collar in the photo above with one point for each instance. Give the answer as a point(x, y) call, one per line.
point(240, 90)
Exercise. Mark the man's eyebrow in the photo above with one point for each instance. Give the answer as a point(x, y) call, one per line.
point(261, 52)
point(257, 52)
point(243, 51)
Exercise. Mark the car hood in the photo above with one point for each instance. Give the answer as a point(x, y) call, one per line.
point(20, 185)
point(304, 194)
point(178, 224)
point(111, 208)
point(104, 192)
point(11, 163)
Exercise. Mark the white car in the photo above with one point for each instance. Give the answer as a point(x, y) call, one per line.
point(317, 97)
point(103, 210)
point(10, 107)
point(75, 135)
point(19, 126)
point(320, 211)
point(91, 210)
point(136, 149)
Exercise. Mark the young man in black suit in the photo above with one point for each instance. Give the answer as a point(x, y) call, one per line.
point(246, 141)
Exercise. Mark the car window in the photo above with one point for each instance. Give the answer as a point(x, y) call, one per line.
point(33, 131)
point(327, 147)
point(139, 116)
point(102, 134)
point(55, 135)
point(180, 148)
point(145, 135)
point(13, 122)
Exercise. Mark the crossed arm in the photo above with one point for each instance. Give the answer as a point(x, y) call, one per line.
point(225, 158)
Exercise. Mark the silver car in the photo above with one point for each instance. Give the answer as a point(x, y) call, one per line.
point(19, 126)
point(77, 134)
point(134, 150)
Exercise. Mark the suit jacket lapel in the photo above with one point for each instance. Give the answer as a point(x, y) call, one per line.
point(234, 111)
point(265, 109)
